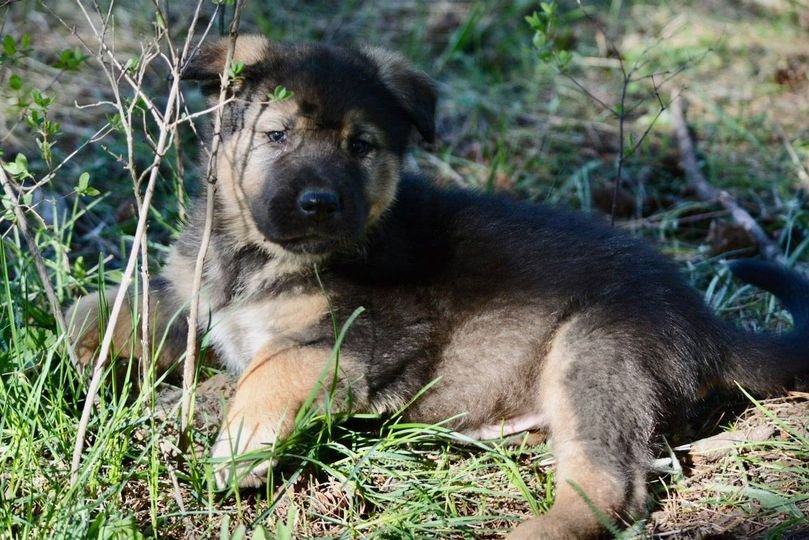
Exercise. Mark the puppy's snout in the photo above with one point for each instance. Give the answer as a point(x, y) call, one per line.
point(314, 203)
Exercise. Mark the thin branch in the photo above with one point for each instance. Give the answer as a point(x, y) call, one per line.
point(167, 449)
point(662, 107)
point(39, 263)
point(621, 152)
point(189, 367)
point(710, 193)
point(189, 117)
point(163, 143)
point(583, 89)
point(95, 137)
point(202, 38)
point(106, 51)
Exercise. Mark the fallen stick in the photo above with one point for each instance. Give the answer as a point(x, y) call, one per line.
point(710, 193)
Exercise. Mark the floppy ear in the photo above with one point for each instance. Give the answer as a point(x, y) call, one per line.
point(413, 88)
point(209, 62)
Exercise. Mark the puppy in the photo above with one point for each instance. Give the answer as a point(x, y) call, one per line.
point(524, 317)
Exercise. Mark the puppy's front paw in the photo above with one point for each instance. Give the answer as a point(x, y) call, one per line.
point(262, 412)
point(241, 448)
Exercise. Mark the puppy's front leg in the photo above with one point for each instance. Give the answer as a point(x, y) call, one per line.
point(270, 392)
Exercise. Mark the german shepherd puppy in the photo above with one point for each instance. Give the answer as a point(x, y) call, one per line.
point(527, 317)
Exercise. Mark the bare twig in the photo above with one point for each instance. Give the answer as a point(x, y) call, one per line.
point(621, 144)
point(168, 450)
point(106, 52)
point(39, 263)
point(621, 111)
point(710, 193)
point(161, 146)
point(189, 367)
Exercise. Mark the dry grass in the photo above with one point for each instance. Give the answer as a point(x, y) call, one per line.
point(746, 490)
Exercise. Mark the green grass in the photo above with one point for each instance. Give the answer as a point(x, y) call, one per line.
point(507, 122)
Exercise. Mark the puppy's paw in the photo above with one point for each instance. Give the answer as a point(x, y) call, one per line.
point(83, 328)
point(271, 391)
point(545, 528)
point(240, 450)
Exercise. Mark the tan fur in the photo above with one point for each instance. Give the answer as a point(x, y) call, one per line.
point(501, 338)
point(246, 327)
point(249, 49)
point(380, 194)
point(240, 167)
point(581, 483)
point(384, 165)
point(270, 392)
point(84, 327)
point(85, 331)
point(181, 272)
point(243, 330)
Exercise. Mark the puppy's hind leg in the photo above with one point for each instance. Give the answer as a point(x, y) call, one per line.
point(598, 408)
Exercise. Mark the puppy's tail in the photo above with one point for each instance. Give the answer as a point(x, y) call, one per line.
point(765, 362)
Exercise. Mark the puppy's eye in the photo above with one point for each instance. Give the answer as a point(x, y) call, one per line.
point(358, 147)
point(277, 136)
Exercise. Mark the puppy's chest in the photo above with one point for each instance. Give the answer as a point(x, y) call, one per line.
point(240, 329)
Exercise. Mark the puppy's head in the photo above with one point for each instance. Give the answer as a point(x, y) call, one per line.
point(311, 172)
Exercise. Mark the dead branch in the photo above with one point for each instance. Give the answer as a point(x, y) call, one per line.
point(710, 193)
point(162, 145)
point(189, 367)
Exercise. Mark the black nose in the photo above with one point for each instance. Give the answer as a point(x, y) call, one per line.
point(318, 203)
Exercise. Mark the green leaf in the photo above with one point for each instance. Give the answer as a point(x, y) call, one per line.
point(280, 94)
point(70, 60)
point(132, 65)
point(285, 531)
point(12, 169)
point(563, 59)
point(9, 46)
point(15, 82)
point(773, 501)
point(540, 40)
point(84, 187)
point(236, 69)
point(21, 161)
point(41, 99)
